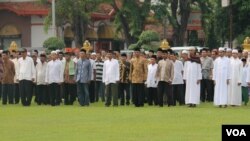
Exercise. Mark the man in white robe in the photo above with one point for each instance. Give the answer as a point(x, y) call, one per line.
point(192, 75)
point(234, 93)
point(221, 77)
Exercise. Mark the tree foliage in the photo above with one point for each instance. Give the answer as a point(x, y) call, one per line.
point(177, 12)
point(75, 12)
point(241, 16)
point(193, 39)
point(53, 43)
point(146, 40)
point(130, 17)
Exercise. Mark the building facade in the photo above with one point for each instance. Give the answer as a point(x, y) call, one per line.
point(22, 21)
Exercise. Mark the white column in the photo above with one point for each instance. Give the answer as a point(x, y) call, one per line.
point(54, 18)
point(110, 45)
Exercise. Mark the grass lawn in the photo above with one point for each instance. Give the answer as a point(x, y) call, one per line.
point(99, 123)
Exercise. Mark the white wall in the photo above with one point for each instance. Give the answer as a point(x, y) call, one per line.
point(38, 35)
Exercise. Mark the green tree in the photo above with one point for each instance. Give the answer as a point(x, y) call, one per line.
point(177, 12)
point(130, 17)
point(75, 12)
point(147, 41)
point(240, 14)
point(193, 38)
point(53, 43)
point(212, 39)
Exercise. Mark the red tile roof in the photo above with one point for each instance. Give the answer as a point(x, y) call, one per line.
point(103, 12)
point(25, 8)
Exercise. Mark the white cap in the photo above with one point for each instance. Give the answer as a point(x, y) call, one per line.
point(93, 53)
point(28, 53)
point(53, 52)
point(221, 49)
point(184, 52)
point(235, 51)
point(57, 51)
point(1, 51)
point(192, 48)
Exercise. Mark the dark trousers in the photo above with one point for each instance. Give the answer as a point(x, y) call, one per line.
point(152, 96)
point(92, 91)
point(245, 96)
point(145, 94)
point(25, 89)
point(54, 92)
point(61, 91)
point(83, 93)
point(124, 91)
point(207, 93)
point(42, 94)
point(34, 91)
point(112, 94)
point(69, 93)
point(178, 94)
point(137, 90)
point(16, 93)
point(100, 90)
point(8, 95)
point(165, 88)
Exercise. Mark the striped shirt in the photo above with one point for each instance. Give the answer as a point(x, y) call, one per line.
point(99, 69)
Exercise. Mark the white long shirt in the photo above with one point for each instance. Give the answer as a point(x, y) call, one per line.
point(111, 72)
point(26, 70)
point(234, 93)
point(152, 82)
point(54, 73)
point(63, 61)
point(93, 67)
point(178, 69)
point(221, 73)
point(41, 73)
point(192, 73)
point(16, 64)
point(245, 76)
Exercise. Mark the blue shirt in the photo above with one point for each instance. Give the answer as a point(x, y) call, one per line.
point(83, 71)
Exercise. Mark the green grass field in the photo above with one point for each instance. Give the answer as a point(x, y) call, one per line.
point(99, 123)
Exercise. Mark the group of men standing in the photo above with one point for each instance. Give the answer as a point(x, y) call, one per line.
point(221, 76)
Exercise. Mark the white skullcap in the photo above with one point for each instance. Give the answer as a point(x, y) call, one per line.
point(184, 52)
point(53, 52)
point(235, 51)
point(57, 51)
point(1, 51)
point(192, 48)
point(229, 49)
point(221, 49)
point(93, 53)
point(28, 53)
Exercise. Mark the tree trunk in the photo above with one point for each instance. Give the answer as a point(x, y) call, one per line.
point(181, 25)
point(125, 26)
point(76, 31)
